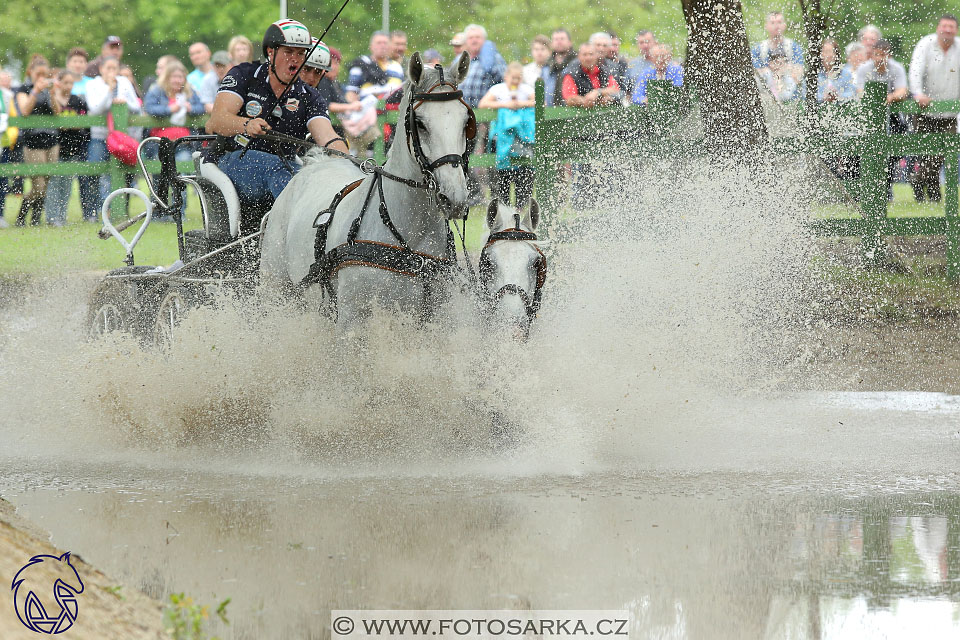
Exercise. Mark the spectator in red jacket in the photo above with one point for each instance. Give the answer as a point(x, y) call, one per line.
point(586, 84)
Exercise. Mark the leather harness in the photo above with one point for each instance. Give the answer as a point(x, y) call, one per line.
point(531, 304)
point(398, 258)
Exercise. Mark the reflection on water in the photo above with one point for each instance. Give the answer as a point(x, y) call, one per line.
point(689, 556)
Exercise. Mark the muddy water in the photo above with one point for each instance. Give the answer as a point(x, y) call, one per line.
point(691, 555)
point(676, 449)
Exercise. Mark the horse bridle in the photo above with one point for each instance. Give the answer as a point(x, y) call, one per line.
point(427, 167)
point(532, 305)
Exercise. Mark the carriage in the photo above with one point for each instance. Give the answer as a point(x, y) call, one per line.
point(319, 231)
point(220, 257)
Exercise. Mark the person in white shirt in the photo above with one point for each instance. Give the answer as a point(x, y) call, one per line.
point(935, 75)
point(512, 94)
point(883, 68)
point(104, 91)
point(540, 52)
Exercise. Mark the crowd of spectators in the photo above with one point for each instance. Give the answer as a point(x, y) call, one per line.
point(92, 86)
point(593, 74)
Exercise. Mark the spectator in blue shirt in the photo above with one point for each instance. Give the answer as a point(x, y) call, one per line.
point(487, 66)
point(664, 68)
point(775, 26)
point(200, 58)
point(834, 82)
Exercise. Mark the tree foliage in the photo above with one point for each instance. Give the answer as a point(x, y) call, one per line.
point(151, 29)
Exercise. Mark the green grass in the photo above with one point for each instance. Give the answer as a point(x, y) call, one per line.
point(46, 250)
point(76, 247)
point(903, 205)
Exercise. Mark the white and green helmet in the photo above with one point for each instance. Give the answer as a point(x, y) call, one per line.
point(286, 33)
point(320, 58)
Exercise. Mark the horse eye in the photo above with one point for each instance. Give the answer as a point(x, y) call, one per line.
point(420, 125)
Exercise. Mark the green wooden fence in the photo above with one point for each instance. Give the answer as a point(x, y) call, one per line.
point(643, 131)
point(565, 134)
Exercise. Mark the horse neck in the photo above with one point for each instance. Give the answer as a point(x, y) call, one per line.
point(412, 210)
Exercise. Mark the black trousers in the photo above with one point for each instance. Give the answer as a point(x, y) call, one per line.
point(522, 180)
point(927, 179)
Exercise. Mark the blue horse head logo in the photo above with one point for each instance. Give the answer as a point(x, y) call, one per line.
point(30, 581)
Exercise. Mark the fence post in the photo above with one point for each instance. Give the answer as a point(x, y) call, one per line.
point(118, 208)
point(873, 165)
point(544, 165)
point(953, 222)
point(380, 145)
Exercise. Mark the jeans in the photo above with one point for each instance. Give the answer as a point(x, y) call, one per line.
point(97, 152)
point(4, 153)
point(60, 187)
point(257, 174)
point(58, 196)
point(522, 180)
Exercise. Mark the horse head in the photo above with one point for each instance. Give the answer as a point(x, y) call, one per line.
point(58, 575)
point(436, 124)
point(512, 268)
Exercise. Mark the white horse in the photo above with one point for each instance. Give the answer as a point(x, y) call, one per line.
point(512, 268)
point(387, 240)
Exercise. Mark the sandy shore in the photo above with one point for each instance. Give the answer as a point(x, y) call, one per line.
point(105, 612)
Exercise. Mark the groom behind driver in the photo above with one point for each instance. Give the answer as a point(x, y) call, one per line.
point(248, 103)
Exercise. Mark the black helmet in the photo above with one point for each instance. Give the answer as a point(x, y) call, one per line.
point(286, 33)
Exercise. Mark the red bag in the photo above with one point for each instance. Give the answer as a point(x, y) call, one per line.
point(121, 145)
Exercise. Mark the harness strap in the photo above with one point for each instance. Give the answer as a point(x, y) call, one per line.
point(485, 267)
point(322, 225)
point(385, 217)
point(355, 226)
point(385, 256)
point(511, 234)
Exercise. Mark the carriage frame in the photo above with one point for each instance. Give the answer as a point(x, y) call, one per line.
point(148, 301)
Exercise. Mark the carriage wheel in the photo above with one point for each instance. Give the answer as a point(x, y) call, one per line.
point(106, 318)
point(171, 312)
point(112, 309)
point(123, 304)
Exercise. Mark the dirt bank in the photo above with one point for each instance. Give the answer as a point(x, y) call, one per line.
point(105, 611)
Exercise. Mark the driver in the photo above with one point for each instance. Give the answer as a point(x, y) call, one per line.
point(248, 104)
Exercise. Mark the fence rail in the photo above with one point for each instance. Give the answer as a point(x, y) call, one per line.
point(565, 134)
point(645, 132)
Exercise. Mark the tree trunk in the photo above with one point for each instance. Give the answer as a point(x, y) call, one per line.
point(814, 24)
point(720, 71)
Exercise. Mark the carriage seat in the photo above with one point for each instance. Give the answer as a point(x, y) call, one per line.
point(221, 202)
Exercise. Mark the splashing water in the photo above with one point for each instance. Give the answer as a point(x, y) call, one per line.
point(666, 340)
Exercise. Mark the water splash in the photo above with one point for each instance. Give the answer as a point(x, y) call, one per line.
point(660, 342)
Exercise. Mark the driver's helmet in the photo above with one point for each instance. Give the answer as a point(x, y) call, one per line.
point(286, 33)
point(320, 58)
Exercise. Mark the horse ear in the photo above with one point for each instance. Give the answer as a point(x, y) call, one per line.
point(492, 213)
point(458, 70)
point(415, 68)
point(534, 213)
